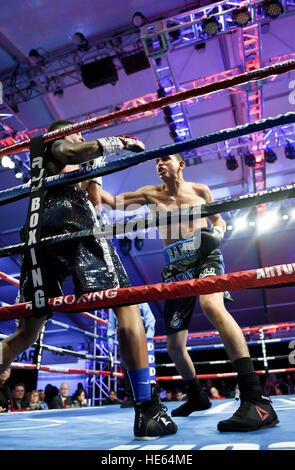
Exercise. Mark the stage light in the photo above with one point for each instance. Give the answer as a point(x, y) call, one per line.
point(229, 227)
point(290, 150)
point(125, 245)
point(6, 161)
point(267, 221)
point(138, 19)
point(231, 162)
point(269, 155)
point(249, 159)
point(273, 8)
point(241, 16)
point(240, 223)
point(210, 26)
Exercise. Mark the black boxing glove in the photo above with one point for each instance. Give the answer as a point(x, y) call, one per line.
point(117, 145)
point(210, 239)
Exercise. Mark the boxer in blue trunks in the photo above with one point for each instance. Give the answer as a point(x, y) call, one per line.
point(187, 258)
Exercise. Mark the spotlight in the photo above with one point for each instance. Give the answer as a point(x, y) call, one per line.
point(80, 40)
point(211, 26)
point(273, 8)
point(138, 242)
point(138, 19)
point(240, 223)
point(231, 162)
point(269, 155)
point(241, 16)
point(290, 150)
point(249, 159)
point(229, 227)
point(267, 221)
point(125, 245)
point(252, 217)
point(6, 162)
point(283, 213)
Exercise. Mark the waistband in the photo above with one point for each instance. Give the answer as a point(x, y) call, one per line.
point(180, 251)
point(65, 191)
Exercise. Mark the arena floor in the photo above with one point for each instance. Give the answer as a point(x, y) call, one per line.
point(111, 428)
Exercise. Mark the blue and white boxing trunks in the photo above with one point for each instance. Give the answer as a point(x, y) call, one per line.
point(184, 262)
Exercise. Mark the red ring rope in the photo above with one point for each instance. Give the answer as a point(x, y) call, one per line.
point(64, 370)
point(205, 89)
point(225, 374)
point(252, 329)
point(268, 276)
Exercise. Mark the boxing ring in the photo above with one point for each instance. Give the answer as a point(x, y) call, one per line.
point(109, 427)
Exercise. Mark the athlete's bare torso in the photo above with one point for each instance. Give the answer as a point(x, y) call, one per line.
point(189, 194)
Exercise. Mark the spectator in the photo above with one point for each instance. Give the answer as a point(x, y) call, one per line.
point(290, 385)
point(268, 387)
point(50, 392)
point(18, 401)
point(162, 394)
point(62, 400)
point(281, 389)
point(169, 395)
point(112, 399)
point(215, 395)
point(79, 399)
point(5, 393)
point(34, 401)
point(42, 400)
point(225, 390)
point(179, 395)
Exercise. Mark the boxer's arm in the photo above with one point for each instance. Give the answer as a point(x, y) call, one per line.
point(69, 153)
point(124, 200)
point(215, 220)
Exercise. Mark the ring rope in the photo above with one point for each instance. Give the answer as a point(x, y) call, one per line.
point(64, 370)
point(19, 192)
point(221, 345)
point(229, 82)
point(16, 282)
point(75, 328)
point(251, 329)
point(225, 361)
point(142, 223)
point(226, 374)
point(69, 352)
point(280, 275)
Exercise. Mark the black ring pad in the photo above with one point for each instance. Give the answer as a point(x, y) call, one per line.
point(32, 230)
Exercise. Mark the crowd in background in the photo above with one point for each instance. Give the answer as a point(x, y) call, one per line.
point(18, 399)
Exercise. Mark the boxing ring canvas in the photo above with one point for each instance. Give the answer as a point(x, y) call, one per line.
point(111, 428)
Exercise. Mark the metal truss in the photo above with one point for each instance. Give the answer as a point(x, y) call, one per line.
point(98, 386)
point(186, 29)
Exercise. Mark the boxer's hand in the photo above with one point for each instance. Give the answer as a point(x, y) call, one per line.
point(210, 240)
point(116, 145)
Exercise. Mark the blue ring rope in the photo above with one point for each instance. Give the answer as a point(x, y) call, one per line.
point(19, 192)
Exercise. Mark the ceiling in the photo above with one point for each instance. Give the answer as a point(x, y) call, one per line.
point(28, 24)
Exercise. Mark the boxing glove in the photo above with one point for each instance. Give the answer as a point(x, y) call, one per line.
point(210, 239)
point(117, 145)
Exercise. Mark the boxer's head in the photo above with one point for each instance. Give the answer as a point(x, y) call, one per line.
point(170, 167)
